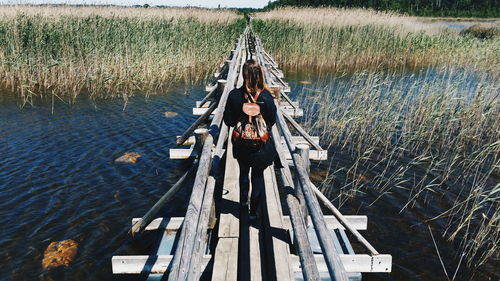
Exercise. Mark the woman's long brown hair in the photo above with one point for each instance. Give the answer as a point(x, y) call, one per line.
point(253, 77)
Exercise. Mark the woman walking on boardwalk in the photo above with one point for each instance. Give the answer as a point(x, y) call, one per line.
point(251, 111)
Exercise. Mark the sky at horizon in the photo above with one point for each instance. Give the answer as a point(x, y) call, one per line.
point(181, 3)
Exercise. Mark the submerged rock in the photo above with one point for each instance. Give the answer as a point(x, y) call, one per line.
point(128, 157)
point(59, 253)
point(170, 114)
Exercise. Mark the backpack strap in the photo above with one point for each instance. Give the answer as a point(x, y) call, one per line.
point(252, 98)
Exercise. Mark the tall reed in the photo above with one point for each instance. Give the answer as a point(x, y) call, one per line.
point(350, 40)
point(65, 53)
point(431, 133)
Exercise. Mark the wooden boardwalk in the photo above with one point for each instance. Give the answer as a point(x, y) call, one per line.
point(215, 240)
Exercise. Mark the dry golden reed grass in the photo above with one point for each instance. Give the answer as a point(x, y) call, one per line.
point(204, 15)
point(103, 52)
point(357, 39)
point(349, 17)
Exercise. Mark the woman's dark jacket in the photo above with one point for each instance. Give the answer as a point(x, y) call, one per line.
point(234, 112)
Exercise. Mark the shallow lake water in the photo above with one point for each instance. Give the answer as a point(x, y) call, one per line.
point(58, 181)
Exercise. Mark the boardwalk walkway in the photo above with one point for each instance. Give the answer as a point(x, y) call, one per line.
point(215, 241)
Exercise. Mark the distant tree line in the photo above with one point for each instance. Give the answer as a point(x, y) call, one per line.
point(456, 8)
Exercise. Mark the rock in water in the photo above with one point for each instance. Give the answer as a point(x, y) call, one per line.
point(170, 114)
point(128, 157)
point(59, 253)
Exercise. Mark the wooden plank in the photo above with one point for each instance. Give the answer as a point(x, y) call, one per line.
point(229, 225)
point(226, 260)
point(145, 264)
point(354, 263)
point(210, 88)
point(301, 240)
point(283, 103)
point(171, 224)
point(295, 139)
point(174, 223)
point(185, 153)
point(359, 222)
point(335, 267)
point(158, 264)
point(226, 251)
point(256, 270)
point(290, 111)
point(276, 235)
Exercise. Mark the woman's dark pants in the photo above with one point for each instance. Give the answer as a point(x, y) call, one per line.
point(257, 186)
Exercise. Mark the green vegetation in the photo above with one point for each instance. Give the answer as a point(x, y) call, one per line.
point(348, 40)
point(432, 134)
point(69, 53)
point(455, 8)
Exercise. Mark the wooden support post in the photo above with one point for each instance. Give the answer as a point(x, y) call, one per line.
point(221, 84)
point(150, 215)
point(184, 265)
point(303, 150)
point(195, 125)
point(335, 267)
point(287, 98)
point(344, 221)
point(200, 136)
point(180, 263)
point(301, 131)
point(301, 241)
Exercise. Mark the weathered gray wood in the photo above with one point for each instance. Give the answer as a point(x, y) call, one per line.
point(303, 150)
point(289, 111)
point(185, 153)
point(221, 83)
point(256, 270)
point(226, 260)
point(229, 225)
point(335, 267)
point(175, 223)
point(207, 205)
point(197, 123)
point(150, 215)
point(343, 220)
point(277, 248)
point(302, 244)
point(184, 264)
point(226, 252)
point(301, 131)
point(282, 104)
point(290, 102)
point(353, 263)
point(200, 136)
point(181, 261)
point(295, 139)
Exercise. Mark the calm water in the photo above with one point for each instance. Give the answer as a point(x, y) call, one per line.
point(58, 181)
point(460, 25)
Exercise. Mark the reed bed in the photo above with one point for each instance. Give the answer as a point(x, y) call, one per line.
point(349, 40)
point(434, 135)
point(203, 15)
point(102, 52)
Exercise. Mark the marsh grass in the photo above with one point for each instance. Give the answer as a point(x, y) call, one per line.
point(349, 40)
point(435, 135)
point(104, 52)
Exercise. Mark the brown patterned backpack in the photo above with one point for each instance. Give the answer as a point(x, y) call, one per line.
point(251, 131)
